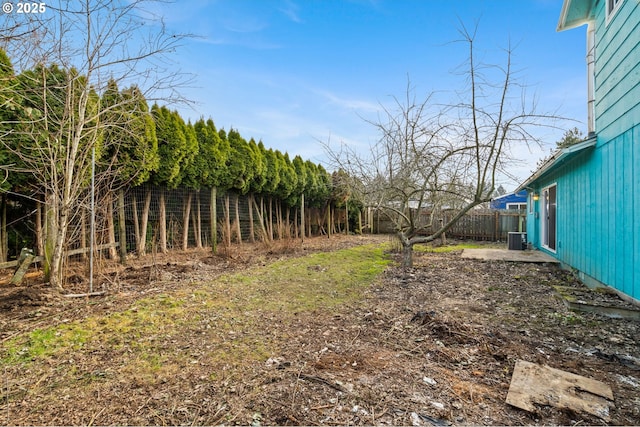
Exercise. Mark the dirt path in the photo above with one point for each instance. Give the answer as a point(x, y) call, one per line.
point(435, 345)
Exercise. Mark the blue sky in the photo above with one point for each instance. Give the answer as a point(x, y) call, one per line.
point(293, 72)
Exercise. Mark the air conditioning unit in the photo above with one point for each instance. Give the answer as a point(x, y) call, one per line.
point(517, 241)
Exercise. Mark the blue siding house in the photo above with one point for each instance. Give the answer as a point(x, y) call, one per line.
point(515, 201)
point(584, 202)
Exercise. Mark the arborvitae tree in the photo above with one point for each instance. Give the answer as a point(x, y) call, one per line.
point(240, 163)
point(297, 195)
point(190, 178)
point(173, 149)
point(211, 164)
point(53, 140)
point(136, 153)
point(241, 167)
point(288, 185)
point(172, 146)
point(341, 191)
point(8, 116)
point(131, 152)
point(324, 197)
point(213, 153)
point(87, 46)
point(257, 183)
point(270, 188)
point(301, 181)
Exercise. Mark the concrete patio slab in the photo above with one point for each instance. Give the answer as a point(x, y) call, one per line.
point(508, 255)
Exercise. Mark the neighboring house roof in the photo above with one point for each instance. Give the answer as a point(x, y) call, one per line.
point(515, 197)
point(575, 13)
point(560, 156)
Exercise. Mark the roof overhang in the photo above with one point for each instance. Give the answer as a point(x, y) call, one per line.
point(505, 196)
point(558, 157)
point(575, 13)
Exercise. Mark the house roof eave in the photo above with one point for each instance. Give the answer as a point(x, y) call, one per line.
point(558, 157)
point(575, 13)
point(505, 196)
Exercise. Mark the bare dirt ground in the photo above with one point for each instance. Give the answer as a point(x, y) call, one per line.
point(435, 345)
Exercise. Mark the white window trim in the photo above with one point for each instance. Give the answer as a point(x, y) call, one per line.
point(543, 212)
point(612, 7)
point(519, 204)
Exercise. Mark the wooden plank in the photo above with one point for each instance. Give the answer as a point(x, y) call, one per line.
point(22, 270)
point(8, 264)
point(533, 384)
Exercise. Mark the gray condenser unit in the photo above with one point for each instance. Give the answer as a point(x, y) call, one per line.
point(517, 241)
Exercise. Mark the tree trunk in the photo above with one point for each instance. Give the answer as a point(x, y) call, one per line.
point(287, 224)
point(329, 222)
point(197, 223)
point(227, 220)
point(83, 233)
point(142, 241)
point(186, 212)
point(302, 227)
point(213, 213)
point(346, 217)
point(407, 254)
point(136, 224)
point(260, 212)
point(279, 220)
point(295, 222)
point(39, 229)
point(162, 226)
point(49, 235)
point(252, 237)
point(122, 227)
point(57, 224)
point(113, 253)
point(238, 228)
point(194, 224)
point(4, 238)
point(270, 219)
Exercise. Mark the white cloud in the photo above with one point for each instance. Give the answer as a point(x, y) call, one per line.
point(292, 11)
point(359, 105)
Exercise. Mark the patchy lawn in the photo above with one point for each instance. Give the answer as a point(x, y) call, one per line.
point(330, 332)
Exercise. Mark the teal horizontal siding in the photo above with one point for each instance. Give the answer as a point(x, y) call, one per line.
point(617, 78)
point(598, 212)
point(598, 190)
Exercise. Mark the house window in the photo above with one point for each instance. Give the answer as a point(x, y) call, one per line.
point(517, 206)
point(612, 8)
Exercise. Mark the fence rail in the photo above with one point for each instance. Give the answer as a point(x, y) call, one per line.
point(493, 225)
point(487, 225)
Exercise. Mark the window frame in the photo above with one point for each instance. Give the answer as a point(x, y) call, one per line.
point(519, 205)
point(612, 7)
point(544, 220)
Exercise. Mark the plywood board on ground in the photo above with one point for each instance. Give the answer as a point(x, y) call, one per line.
point(533, 384)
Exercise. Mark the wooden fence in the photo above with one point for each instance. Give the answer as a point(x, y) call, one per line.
point(490, 225)
point(485, 224)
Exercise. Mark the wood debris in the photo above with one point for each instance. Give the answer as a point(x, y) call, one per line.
point(533, 384)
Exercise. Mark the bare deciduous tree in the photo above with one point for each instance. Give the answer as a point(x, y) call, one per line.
point(432, 156)
point(65, 58)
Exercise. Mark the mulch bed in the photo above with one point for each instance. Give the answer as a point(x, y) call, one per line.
point(433, 345)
